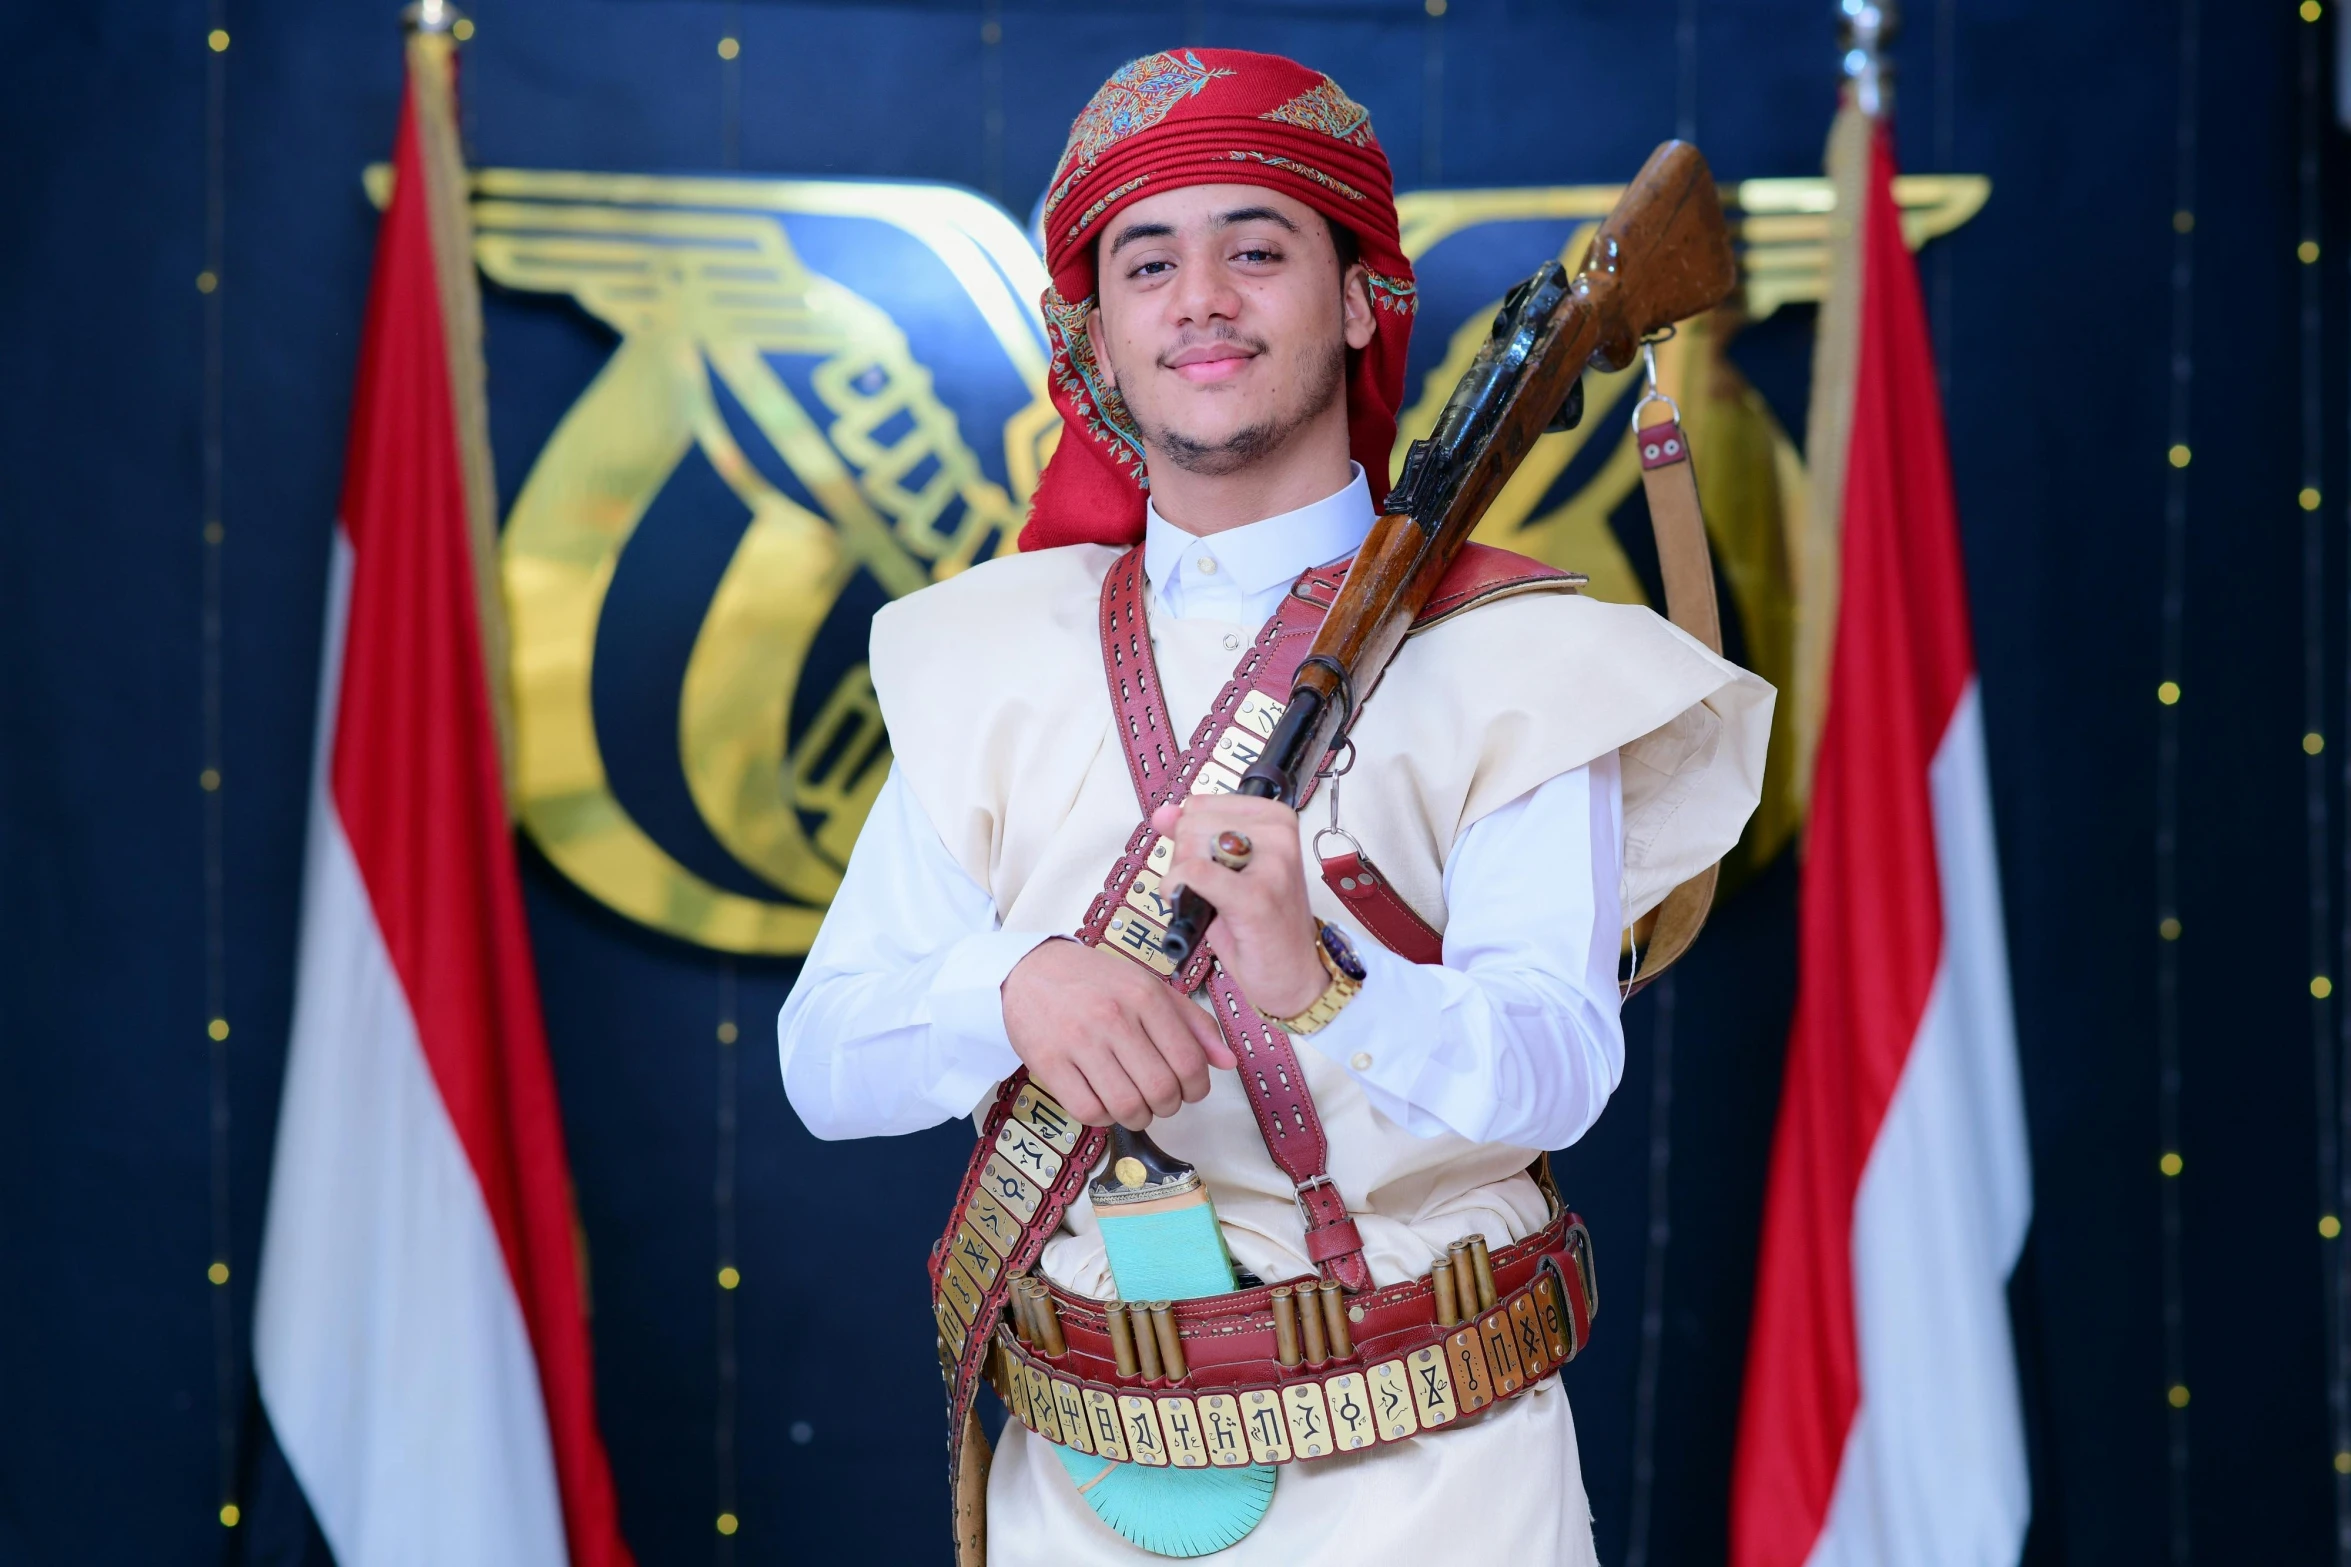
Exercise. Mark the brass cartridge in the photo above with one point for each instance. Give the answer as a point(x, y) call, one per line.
point(1146, 1341)
point(1047, 1320)
point(1171, 1343)
point(1017, 1299)
point(1122, 1337)
point(1334, 1320)
point(1309, 1301)
point(1465, 1278)
point(1441, 1284)
point(1482, 1261)
point(1285, 1324)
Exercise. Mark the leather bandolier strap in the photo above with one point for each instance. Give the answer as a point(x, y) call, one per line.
point(1671, 487)
point(1032, 1159)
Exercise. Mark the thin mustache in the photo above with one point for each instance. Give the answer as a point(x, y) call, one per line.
point(1255, 345)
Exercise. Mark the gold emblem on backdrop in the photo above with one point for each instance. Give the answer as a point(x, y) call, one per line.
point(702, 282)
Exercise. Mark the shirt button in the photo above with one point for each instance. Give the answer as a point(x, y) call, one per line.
point(1232, 642)
point(1361, 1061)
point(1208, 565)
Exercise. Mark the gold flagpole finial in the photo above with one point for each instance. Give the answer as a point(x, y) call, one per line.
point(435, 16)
point(1865, 30)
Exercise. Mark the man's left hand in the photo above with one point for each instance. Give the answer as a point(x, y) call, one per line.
point(1264, 931)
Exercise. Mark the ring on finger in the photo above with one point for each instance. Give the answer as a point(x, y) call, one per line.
point(1231, 850)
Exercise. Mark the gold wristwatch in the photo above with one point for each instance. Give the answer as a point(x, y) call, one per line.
point(1346, 972)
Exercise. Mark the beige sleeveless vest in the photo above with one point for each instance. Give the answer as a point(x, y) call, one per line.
point(993, 690)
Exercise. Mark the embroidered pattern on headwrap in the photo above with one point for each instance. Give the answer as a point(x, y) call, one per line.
point(1277, 161)
point(1138, 96)
point(1323, 107)
point(1097, 209)
point(1160, 125)
point(1106, 412)
point(1392, 293)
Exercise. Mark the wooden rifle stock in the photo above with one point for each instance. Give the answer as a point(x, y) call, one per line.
point(1662, 255)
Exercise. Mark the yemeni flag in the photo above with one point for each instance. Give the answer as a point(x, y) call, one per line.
point(1881, 1423)
point(420, 1333)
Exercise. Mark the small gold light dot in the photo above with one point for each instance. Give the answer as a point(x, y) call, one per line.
point(2322, 987)
point(462, 29)
point(2169, 930)
point(208, 780)
point(2329, 1227)
point(2313, 743)
point(726, 1032)
point(2307, 251)
point(991, 32)
point(2179, 456)
point(2311, 11)
point(727, 1523)
point(219, 39)
point(206, 281)
point(218, 1273)
point(2168, 693)
point(2309, 498)
point(728, 48)
point(2343, 1463)
point(2170, 1164)
point(214, 533)
point(1436, 7)
point(2183, 222)
point(2178, 1395)
point(218, 1028)
point(728, 1278)
point(229, 1515)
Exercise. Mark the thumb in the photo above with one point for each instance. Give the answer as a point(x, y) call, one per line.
point(1163, 820)
point(1211, 1038)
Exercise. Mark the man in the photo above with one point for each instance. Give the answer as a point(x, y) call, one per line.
point(1229, 317)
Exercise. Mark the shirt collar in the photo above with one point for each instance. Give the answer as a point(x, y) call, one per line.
point(1271, 553)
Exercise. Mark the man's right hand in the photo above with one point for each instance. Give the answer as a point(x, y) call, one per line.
point(1106, 1038)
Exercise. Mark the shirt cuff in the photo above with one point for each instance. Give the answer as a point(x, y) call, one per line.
point(1385, 1035)
point(967, 1013)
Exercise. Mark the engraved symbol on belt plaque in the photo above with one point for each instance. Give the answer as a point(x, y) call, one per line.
point(1261, 1421)
point(1220, 1420)
point(1350, 1404)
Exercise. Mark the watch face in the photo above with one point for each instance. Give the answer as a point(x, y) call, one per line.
point(1342, 951)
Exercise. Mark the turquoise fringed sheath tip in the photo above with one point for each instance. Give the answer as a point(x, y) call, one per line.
point(1173, 1512)
point(1173, 1254)
point(1161, 1235)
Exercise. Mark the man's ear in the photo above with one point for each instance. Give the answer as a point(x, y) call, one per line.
point(1355, 305)
point(1102, 359)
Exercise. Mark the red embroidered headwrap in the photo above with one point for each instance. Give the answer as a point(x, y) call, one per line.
point(1205, 117)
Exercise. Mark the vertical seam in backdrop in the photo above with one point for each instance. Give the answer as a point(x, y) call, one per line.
point(226, 1380)
point(2167, 754)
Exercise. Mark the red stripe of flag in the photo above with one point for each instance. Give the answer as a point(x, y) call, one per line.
point(416, 778)
point(1870, 929)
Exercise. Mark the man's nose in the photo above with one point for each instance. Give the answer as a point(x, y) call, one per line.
point(1205, 293)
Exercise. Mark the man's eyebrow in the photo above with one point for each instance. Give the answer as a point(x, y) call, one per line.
point(1254, 215)
point(1139, 231)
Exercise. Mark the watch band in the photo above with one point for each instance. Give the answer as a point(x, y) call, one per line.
point(1326, 1006)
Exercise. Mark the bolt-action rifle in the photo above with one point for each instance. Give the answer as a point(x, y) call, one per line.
point(1663, 255)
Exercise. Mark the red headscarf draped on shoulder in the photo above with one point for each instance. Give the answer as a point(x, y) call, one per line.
point(1205, 117)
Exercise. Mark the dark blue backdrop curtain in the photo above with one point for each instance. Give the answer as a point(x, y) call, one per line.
point(127, 1410)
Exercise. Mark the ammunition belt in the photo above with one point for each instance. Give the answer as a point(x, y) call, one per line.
point(1214, 1388)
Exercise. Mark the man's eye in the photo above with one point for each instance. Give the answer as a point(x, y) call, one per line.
point(1152, 268)
point(1259, 253)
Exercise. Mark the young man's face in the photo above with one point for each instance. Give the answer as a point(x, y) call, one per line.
point(1224, 320)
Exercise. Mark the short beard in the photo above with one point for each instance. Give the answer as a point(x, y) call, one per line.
point(1252, 444)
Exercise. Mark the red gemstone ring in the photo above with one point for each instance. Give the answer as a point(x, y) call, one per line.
point(1231, 850)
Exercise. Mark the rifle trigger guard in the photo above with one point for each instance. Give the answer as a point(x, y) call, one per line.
point(1571, 411)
